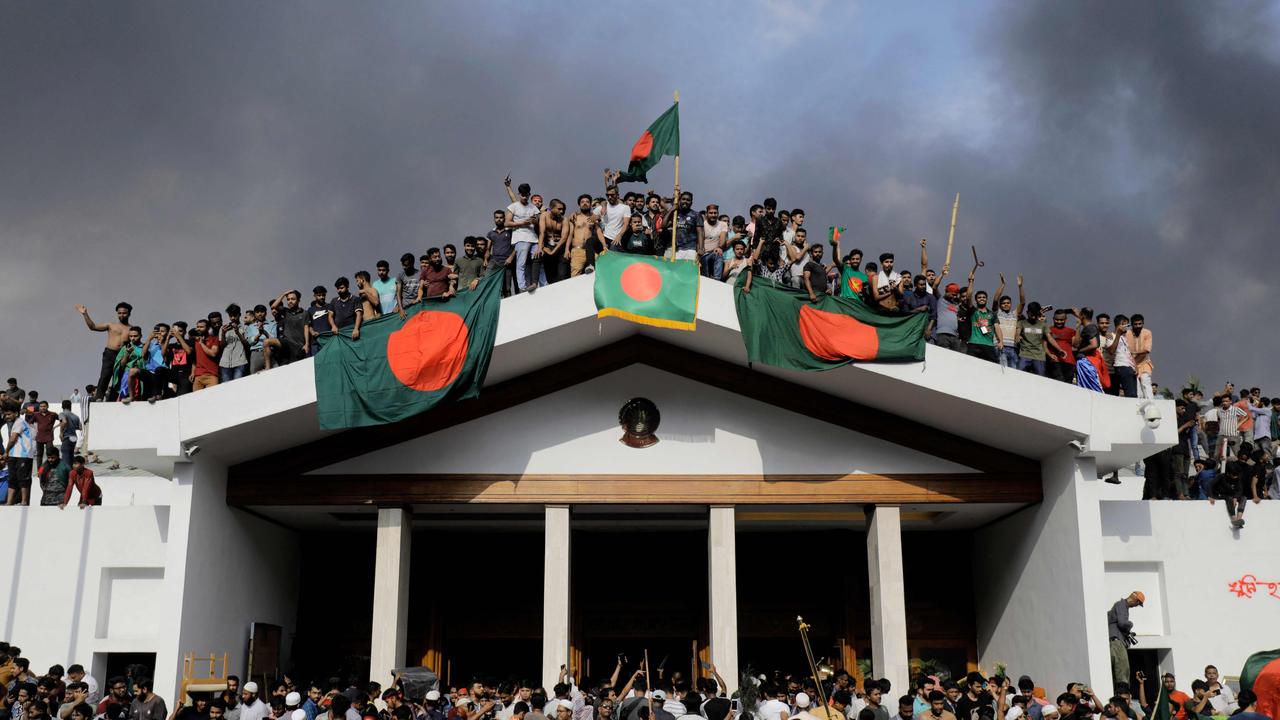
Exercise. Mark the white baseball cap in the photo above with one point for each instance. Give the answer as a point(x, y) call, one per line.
point(250, 686)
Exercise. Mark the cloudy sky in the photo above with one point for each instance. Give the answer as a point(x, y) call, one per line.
point(186, 155)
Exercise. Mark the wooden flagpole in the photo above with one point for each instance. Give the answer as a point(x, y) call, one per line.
point(648, 682)
point(951, 236)
point(675, 197)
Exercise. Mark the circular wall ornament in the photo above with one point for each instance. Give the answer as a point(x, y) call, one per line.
point(639, 419)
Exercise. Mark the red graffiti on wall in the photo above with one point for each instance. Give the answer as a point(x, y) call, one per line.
point(1247, 586)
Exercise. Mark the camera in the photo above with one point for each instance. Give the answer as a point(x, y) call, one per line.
point(1151, 415)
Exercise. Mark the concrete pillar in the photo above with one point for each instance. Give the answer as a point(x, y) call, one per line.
point(722, 565)
point(555, 595)
point(390, 593)
point(889, 656)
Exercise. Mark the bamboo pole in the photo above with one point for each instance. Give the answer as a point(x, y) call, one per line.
point(648, 682)
point(951, 236)
point(675, 203)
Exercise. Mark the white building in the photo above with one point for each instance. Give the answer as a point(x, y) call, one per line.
point(947, 510)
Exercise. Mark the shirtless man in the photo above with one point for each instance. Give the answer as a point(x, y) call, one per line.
point(584, 229)
point(117, 333)
point(550, 240)
point(368, 295)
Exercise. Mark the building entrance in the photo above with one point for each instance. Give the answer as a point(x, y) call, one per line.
point(637, 585)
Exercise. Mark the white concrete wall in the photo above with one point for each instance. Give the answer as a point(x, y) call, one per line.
point(79, 582)
point(237, 569)
point(1184, 557)
point(1038, 583)
point(703, 430)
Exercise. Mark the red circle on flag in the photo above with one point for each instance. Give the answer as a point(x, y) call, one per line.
point(833, 336)
point(429, 351)
point(643, 147)
point(641, 282)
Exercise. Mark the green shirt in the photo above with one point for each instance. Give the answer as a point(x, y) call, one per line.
point(982, 330)
point(851, 283)
point(1031, 339)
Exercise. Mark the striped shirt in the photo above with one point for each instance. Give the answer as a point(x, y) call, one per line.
point(1229, 421)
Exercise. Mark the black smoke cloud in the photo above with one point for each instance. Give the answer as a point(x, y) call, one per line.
point(188, 156)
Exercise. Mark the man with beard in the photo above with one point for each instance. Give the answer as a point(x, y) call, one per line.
point(117, 333)
point(1138, 340)
point(688, 227)
point(938, 707)
point(1007, 321)
point(920, 300)
point(251, 708)
point(146, 704)
point(1060, 363)
point(946, 332)
point(886, 281)
point(54, 475)
point(984, 332)
point(128, 363)
point(385, 286)
point(551, 242)
point(435, 281)
point(500, 255)
point(768, 227)
point(584, 232)
point(291, 320)
point(469, 267)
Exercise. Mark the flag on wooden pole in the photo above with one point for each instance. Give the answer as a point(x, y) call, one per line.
point(661, 138)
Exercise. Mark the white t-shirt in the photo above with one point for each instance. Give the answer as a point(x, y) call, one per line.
point(1124, 358)
point(519, 213)
point(614, 219)
point(773, 710)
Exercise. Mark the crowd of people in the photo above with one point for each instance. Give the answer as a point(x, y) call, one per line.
point(534, 243)
point(38, 443)
point(72, 694)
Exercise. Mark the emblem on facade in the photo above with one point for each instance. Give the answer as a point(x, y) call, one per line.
point(639, 419)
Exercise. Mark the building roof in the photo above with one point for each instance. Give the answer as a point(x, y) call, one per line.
point(1017, 412)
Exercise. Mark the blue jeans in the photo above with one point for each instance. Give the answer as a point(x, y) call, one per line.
point(232, 373)
point(713, 265)
point(1029, 365)
point(1009, 356)
point(524, 251)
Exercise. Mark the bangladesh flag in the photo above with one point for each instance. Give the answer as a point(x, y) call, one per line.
point(1261, 674)
point(1161, 709)
point(833, 234)
point(662, 138)
point(647, 290)
point(398, 368)
point(781, 327)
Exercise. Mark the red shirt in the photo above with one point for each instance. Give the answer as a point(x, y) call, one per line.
point(1063, 335)
point(206, 365)
point(435, 282)
point(44, 425)
point(90, 494)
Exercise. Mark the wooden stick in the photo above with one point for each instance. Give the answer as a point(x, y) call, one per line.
point(675, 208)
point(951, 236)
point(648, 683)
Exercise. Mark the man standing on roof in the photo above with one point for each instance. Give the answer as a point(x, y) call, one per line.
point(1120, 632)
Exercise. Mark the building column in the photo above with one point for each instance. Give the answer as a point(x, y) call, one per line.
point(390, 592)
point(889, 657)
point(722, 560)
point(555, 595)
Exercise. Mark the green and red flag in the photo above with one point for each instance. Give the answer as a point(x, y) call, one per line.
point(833, 234)
point(398, 368)
point(662, 138)
point(781, 327)
point(1261, 674)
point(1161, 709)
point(647, 290)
